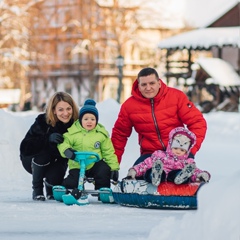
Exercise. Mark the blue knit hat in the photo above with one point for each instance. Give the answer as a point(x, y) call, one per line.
point(88, 107)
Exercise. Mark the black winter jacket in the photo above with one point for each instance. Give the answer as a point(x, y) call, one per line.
point(36, 142)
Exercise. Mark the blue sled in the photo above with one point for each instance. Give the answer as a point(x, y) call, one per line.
point(140, 194)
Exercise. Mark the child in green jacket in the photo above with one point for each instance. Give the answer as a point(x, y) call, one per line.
point(86, 134)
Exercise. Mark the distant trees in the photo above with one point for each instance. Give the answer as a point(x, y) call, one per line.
point(78, 39)
point(15, 20)
point(106, 29)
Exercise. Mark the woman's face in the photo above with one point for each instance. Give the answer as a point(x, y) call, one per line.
point(63, 111)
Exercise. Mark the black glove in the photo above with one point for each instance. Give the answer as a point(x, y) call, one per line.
point(114, 175)
point(56, 138)
point(70, 153)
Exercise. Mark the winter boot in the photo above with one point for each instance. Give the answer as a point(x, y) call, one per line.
point(38, 173)
point(157, 170)
point(49, 192)
point(185, 173)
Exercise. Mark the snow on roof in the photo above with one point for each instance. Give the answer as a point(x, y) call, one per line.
point(222, 72)
point(229, 5)
point(203, 38)
point(198, 15)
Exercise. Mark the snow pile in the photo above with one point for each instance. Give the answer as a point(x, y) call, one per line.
point(219, 201)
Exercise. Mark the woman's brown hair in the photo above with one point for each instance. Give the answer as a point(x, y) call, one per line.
point(54, 100)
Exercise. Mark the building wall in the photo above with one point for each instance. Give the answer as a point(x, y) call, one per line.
point(77, 47)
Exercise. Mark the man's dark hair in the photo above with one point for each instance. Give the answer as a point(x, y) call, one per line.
point(146, 72)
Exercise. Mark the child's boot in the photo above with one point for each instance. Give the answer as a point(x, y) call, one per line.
point(157, 170)
point(185, 173)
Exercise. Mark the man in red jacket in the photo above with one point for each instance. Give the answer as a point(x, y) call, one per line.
point(154, 109)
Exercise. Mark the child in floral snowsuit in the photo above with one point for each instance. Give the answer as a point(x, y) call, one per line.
point(174, 165)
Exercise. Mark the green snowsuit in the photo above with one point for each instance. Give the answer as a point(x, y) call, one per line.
point(97, 140)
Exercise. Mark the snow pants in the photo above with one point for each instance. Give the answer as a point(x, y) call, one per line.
point(100, 172)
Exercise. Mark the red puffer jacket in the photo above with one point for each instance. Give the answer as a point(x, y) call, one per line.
point(153, 119)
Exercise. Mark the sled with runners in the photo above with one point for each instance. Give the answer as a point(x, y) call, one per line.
point(79, 195)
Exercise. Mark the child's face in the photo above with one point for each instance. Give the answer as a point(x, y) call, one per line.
point(179, 151)
point(89, 121)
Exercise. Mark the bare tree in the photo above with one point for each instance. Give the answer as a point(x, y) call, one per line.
point(14, 44)
point(105, 30)
point(116, 30)
point(77, 39)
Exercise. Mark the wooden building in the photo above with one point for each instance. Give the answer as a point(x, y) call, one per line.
point(219, 39)
point(76, 46)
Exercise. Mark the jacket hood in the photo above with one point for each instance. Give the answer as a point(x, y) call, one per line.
point(183, 131)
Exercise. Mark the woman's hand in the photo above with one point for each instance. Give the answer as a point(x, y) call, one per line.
point(56, 138)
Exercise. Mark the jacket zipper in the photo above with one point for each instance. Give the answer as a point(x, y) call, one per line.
point(156, 125)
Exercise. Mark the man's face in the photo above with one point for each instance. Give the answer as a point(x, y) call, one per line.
point(149, 86)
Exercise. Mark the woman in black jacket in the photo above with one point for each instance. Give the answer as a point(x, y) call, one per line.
point(38, 149)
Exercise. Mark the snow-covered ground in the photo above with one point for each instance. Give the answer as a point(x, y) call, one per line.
point(217, 218)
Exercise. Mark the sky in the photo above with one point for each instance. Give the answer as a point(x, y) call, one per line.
point(217, 216)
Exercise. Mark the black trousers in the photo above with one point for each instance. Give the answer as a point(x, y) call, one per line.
point(142, 158)
point(54, 172)
point(100, 172)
